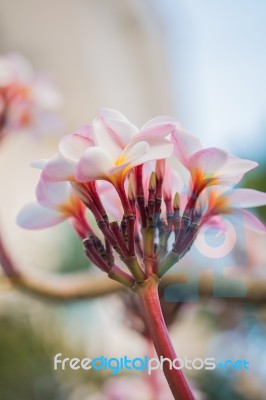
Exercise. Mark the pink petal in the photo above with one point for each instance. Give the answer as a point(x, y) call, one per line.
point(107, 139)
point(121, 128)
point(94, 164)
point(132, 155)
point(73, 146)
point(185, 144)
point(233, 171)
point(160, 130)
point(208, 161)
point(59, 169)
point(86, 131)
point(247, 198)
point(34, 216)
point(159, 149)
point(110, 113)
point(160, 120)
point(251, 221)
point(52, 194)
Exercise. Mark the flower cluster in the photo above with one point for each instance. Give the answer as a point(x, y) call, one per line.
point(117, 171)
point(26, 101)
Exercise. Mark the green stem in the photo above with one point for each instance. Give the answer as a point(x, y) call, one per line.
point(151, 307)
point(171, 259)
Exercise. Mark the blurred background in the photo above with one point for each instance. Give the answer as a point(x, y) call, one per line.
point(201, 61)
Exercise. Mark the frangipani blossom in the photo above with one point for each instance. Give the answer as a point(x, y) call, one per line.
point(120, 146)
point(56, 202)
point(211, 166)
point(138, 196)
point(109, 149)
point(26, 101)
point(221, 201)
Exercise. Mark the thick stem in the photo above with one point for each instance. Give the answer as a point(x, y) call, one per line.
point(151, 307)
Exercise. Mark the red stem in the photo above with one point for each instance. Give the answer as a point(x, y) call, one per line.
point(151, 307)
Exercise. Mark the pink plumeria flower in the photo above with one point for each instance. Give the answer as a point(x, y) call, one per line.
point(219, 201)
point(26, 101)
point(120, 146)
point(56, 202)
point(211, 166)
point(109, 149)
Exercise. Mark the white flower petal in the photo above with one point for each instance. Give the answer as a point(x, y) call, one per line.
point(110, 113)
point(185, 144)
point(39, 164)
point(159, 130)
point(34, 216)
point(86, 131)
point(208, 161)
point(160, 120)
point(119, 124)
point(107, 139)
point(137, 150)
point(247, 198)
point(131, 156)
point(59, 169)
point(94, 164)
point(236, 167)
point(159, 149)
point(73, 146)
point(52, 194)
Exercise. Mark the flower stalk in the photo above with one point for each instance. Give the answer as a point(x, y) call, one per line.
point(151, 307)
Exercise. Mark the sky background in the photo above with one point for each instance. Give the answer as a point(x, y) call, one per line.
point(217, 60)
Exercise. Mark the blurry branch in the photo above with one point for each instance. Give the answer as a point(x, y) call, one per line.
point(85, 285)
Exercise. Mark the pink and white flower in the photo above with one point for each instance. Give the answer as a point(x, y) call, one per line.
point(215, 202)
point(109, 150)
point(26, 100)
point(56, 202)
point(211, 166)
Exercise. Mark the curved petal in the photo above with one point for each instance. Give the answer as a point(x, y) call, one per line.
point(251, 221)
point(94, 164)
point(86, 131)
point(73, 146)
point(208, 161)
point(159, 130)
point(159, 149)
point(247, 198)
point(39, 164)
point(111, 113)
point(121, 129)
point(185, 144)
point(107, 139)
point(236, 168)
point(52, 194)
point(137, 150)
point(34, 216)
point(59, 169)
point(160, 120)
point(131, 157)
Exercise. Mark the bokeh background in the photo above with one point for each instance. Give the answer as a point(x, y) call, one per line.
point(202, 61)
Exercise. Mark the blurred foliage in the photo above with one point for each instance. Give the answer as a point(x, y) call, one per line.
point(73, 257)
point(256, 179)
point(25, 367)
point(218, 387)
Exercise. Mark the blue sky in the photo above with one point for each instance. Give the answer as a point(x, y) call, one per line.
point(217, 56)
